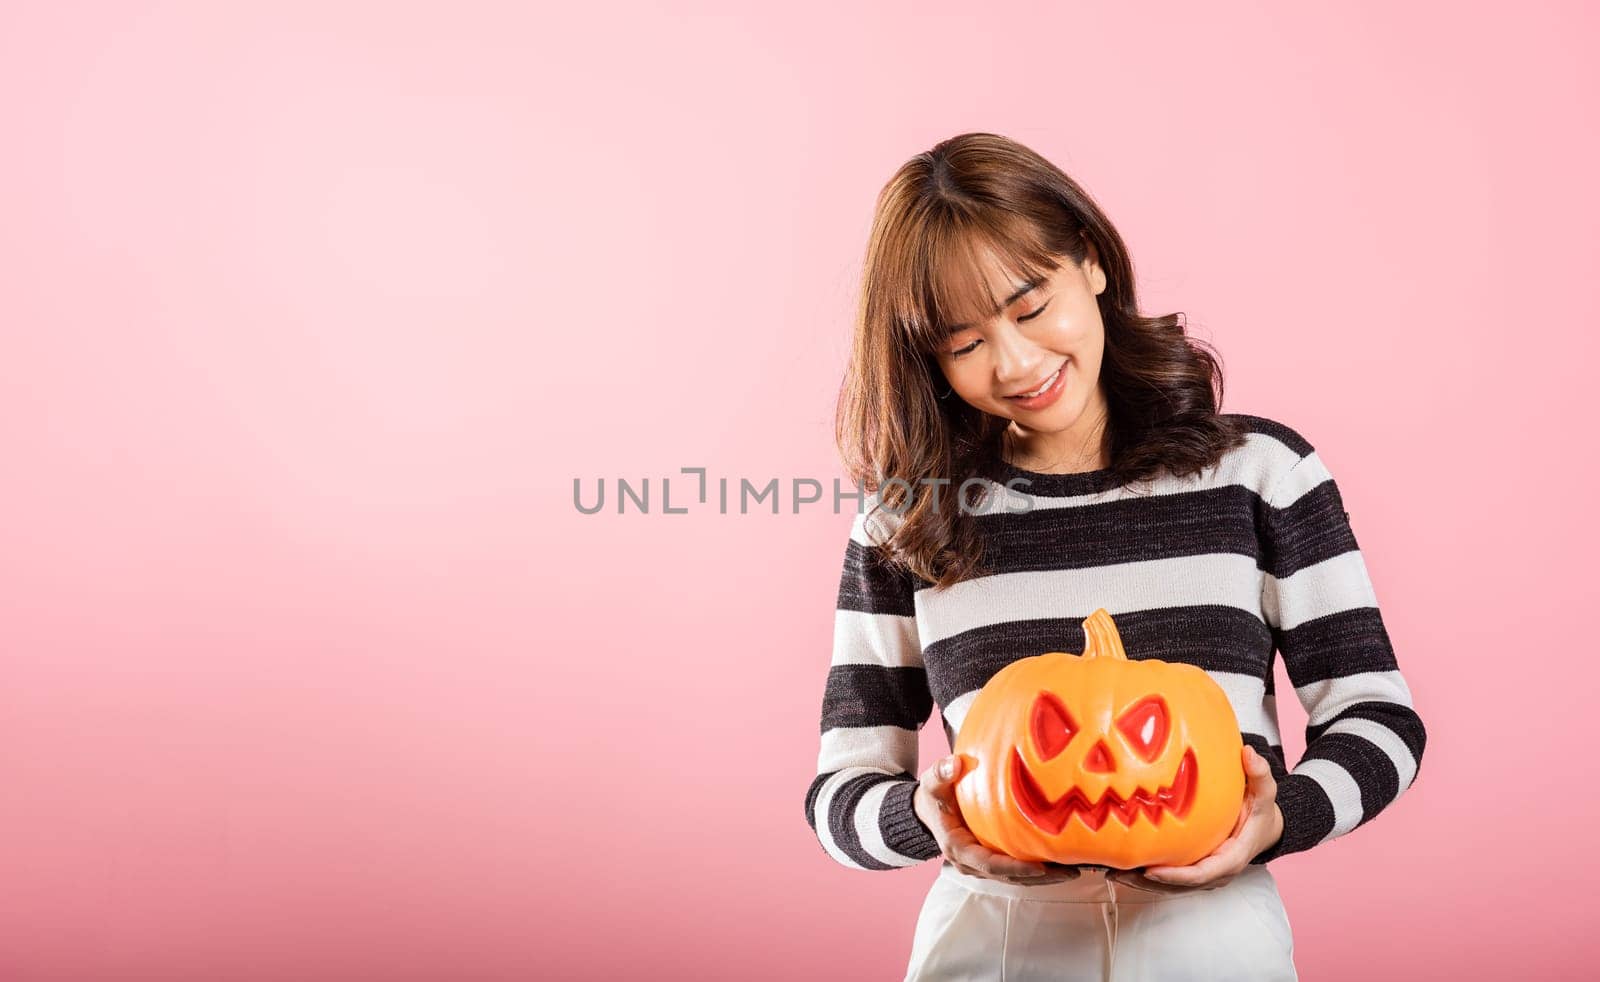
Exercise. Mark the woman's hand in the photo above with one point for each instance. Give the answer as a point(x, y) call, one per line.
point(1259, 827)
point(935, 803)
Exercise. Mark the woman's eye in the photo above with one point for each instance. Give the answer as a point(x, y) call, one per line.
point(1025, 317)
point(1036, 313)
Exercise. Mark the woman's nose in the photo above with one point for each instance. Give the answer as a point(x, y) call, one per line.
point(1016, 359)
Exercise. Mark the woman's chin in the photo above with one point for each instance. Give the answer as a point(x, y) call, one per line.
point(1059, 418)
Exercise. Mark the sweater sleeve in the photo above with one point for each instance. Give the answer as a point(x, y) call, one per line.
point(1364, 740)
point(874, 702)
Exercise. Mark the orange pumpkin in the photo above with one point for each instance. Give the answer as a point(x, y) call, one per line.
point(1099, 759)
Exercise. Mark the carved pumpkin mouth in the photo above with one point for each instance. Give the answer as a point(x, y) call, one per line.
point(1051, 816)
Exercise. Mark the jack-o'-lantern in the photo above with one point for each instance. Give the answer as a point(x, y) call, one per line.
point(1101, 759)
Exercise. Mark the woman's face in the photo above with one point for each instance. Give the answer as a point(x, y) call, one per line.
point(1050, 326)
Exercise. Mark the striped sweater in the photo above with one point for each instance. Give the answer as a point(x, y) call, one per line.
point(1252, 557)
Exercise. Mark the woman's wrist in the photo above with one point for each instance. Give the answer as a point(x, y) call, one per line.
point(1274, 829)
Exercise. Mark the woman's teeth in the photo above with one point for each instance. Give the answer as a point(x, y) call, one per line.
point(1045, 385)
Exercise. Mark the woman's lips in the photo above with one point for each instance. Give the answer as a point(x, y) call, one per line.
point(1048, 396)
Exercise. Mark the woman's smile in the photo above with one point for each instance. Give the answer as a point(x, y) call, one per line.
point(1046, 394)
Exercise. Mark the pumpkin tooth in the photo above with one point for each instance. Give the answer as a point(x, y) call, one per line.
point(1183, 785)
point(1126, 810)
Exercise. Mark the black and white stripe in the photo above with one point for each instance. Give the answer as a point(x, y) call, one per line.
point(1221, 570)
point(876, 699)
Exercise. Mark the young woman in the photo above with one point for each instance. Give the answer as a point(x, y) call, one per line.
point(1035, 448)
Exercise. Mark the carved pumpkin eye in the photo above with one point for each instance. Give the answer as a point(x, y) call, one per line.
point(1145, 726)
point(1052, 725)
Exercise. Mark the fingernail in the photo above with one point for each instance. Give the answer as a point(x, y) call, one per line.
point(947, 768)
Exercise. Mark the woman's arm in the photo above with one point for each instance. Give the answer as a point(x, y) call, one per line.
point(1364, 740)
point(875, 700)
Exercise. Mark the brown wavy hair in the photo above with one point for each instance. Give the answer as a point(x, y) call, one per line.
point(975, 190)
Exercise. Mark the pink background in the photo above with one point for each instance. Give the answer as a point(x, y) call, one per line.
point(312, 313)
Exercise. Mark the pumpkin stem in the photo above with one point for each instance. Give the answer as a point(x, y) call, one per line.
point(1101, 639)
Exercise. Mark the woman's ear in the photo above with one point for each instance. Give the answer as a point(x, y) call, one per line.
point(1092, 270)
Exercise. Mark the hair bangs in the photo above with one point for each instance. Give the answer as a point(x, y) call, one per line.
point(950, 290)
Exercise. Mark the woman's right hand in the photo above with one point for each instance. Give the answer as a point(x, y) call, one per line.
point(935, 803)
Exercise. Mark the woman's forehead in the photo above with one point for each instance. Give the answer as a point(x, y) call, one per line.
point(973, 284)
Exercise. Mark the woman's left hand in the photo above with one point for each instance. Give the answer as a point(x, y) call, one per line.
point(1259, 827)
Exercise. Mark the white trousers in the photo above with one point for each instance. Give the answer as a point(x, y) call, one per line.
point(974, 929)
